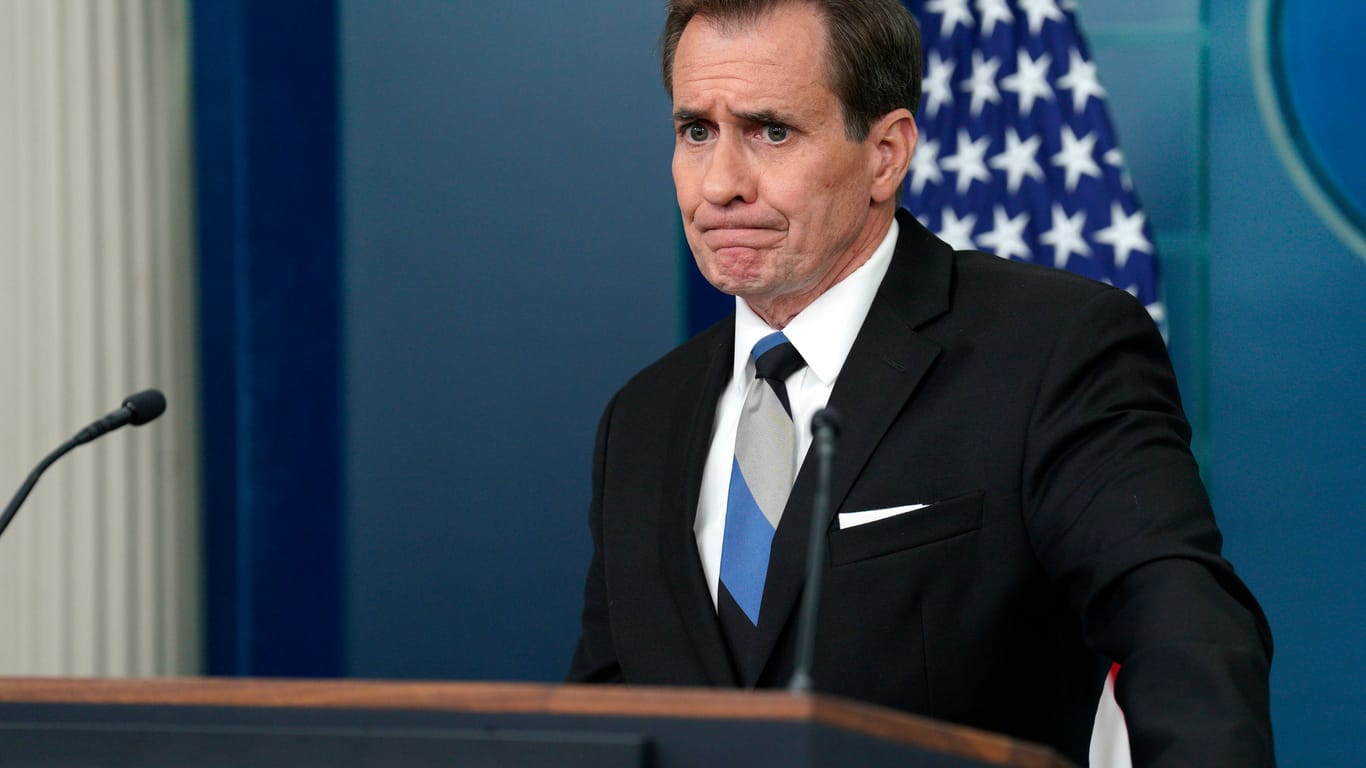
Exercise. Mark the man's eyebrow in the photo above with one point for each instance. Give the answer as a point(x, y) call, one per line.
point(766, 116)
point(763, 116)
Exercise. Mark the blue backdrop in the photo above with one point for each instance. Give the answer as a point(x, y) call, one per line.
point(1288, 399)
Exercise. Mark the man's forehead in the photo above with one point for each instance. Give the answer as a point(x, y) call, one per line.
point(763, 64)
point(790, 31)
point(740, 22)
point(761, 101)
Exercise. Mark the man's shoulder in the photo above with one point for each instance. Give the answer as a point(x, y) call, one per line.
point(988, 284)
point(983, 271)
point(928, 269)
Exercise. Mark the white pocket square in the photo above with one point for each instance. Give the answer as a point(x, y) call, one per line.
point(852, 519)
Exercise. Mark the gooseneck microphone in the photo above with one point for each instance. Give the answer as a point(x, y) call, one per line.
point(137, 410)
point(825, 428)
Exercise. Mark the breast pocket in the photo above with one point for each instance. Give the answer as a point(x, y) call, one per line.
point(927, 525)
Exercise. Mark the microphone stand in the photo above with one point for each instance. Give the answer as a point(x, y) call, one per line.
point(137, 410)
point(32, 480)
point(824, 430)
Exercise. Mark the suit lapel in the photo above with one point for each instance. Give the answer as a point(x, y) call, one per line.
point(690, 427)
point(885, 364)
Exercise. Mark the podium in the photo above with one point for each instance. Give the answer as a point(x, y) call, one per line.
point(159, 723)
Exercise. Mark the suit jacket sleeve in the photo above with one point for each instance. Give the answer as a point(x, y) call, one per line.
point(595, 659)
point(1118, 515)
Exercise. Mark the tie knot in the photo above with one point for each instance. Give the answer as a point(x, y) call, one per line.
point(775, 358)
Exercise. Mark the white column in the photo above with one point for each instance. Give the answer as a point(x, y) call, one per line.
point(100, 571)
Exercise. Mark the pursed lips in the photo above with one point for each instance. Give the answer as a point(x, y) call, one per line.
point(718, 238)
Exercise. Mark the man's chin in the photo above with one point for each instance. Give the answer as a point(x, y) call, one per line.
point(739, 258)
point(735, 283)
point(735, 268)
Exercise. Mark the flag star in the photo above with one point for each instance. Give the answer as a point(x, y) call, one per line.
point(1006, 236)
point(1029, 81)
point(955, 231)
point(1039, 11)
point(936, 83)
point(1115, 158)
point(1125, 234)
point(1158, 311)
point(925, 166)
point(982, 82)
point(1081, 79)
point(1018, 160)
point(968, 163)
point(1076, 158)
point(993, 11)
point(1065, 236)
point(972, 175)
point(954, 12)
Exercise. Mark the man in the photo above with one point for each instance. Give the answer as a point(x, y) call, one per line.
point(1015, 499)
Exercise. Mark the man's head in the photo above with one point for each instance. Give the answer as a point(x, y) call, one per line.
point(790, 152)
point(873, 53)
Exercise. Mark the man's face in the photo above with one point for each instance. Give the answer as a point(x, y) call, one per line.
point(775, 197)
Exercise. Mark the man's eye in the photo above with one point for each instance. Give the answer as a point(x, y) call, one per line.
point(776, 133)
point(696, 132)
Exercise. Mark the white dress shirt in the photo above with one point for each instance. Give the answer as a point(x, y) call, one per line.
point(823, 333)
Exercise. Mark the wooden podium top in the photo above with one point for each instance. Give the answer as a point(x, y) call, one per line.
point(538, 699)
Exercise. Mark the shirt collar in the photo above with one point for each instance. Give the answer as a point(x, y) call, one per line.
point(824, 332)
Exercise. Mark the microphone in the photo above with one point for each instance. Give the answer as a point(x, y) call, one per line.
point(137, 409)
point(825, 428)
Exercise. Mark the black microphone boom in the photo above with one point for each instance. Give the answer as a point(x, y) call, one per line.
point(825, 427)
point(137, 410)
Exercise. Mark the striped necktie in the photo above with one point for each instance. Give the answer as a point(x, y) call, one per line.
point(760, 481)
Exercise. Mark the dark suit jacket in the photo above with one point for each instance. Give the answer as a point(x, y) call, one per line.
point(1037, 413)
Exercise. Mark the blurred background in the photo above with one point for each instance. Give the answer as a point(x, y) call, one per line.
point(389, 259)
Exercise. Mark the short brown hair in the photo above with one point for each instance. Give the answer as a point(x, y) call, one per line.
point(874, 50)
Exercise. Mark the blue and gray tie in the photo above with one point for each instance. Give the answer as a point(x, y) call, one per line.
point(760, 481)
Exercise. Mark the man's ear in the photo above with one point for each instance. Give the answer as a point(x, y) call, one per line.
point(894, 137)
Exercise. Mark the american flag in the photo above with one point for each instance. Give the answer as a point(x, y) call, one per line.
point(1017, 154)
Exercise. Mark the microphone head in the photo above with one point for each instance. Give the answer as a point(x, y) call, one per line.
point(145, 406)
point(826, 418)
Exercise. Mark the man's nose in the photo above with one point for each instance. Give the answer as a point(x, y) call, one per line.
point(730, 174)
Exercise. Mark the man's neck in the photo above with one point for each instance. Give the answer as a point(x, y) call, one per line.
point(778, 311)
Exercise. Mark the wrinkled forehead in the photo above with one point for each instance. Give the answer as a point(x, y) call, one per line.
point(788, 36)
point(761, 16)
